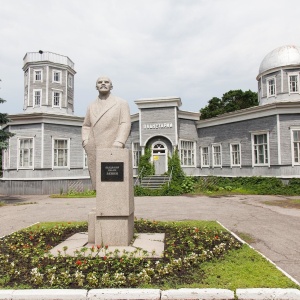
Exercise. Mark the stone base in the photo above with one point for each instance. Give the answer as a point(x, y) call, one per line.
point(114, 231)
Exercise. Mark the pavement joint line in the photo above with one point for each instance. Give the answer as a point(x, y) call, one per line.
point(269, 260)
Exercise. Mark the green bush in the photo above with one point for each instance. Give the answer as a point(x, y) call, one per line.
point(188, 185)
point(146, 168)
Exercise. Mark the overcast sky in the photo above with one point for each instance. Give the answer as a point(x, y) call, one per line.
point(192, 49)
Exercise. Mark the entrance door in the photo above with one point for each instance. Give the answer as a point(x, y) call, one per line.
point(159, 158)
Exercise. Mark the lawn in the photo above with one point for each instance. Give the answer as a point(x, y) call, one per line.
point(197, 254)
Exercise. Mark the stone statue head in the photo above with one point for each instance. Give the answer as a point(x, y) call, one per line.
point(104, 85)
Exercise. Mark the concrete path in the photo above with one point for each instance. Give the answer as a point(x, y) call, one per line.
point(274, 229)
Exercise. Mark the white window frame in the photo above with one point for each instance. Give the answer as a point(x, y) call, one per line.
point(6, 158)
point(213, 152)
point(85, 160)
point(31, 153)
point(54, 72)
point(187, 153)
point(232, 162)
point(34, 96)
point(268, 87)
point(136, 154)
point(35, 71)
point(253, 146)
point(208, 157)
point(60, 98)
point(53, 153)
point(297, 82)
point(70, 81)
point(293, 129)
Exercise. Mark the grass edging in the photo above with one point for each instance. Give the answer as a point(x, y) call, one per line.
point(269, 260)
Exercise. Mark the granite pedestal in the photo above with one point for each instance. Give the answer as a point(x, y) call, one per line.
point(112, 222)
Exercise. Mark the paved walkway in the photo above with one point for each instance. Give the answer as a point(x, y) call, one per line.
point(275, 230)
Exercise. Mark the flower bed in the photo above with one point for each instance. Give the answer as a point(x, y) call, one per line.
point(26, 262)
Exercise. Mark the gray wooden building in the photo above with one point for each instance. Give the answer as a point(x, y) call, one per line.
point(45, 155)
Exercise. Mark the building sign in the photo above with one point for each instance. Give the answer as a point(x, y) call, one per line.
point(158, 126)
point(112, 171)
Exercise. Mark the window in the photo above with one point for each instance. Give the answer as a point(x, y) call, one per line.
point(5, 153)
point(217, 155)
point(56, 99)
point(260, 149)
point(70, 81)
point(25, 153)
point(271, 89)
point(37, 96)
point(204, 157)
point(296, 147)
point(136, 153)
point(293, 83)
point(56, 76)
point(235, 150)
point(37, 75)
point(187, 153)
point(85, 160)
point(60, 152)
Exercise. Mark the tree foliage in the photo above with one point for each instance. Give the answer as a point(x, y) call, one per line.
point(146, 168)
point(4, 135)
point(230, 101)
point(174, 166)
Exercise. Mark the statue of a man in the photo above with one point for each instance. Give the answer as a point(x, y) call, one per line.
point(106, 125)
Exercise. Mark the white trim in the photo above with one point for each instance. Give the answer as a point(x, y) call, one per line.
point(60, 76)
point(18, 152)
point(85, 156)
point(292, 129)
point(60, 97)
point(193, 153)
point(140, 126)
point(278, 139)
point(33, 97)
point(133, 151)
point(289, 74)
point(213, 152)
point(47, 86)
point(268, 79)
point(201, 157)
point(260, 132)
point(239, 153)
point(176, 126)
point(68, 152)
point(28, 96)
point(281, 74)
point(42, 144)
point(34, 75)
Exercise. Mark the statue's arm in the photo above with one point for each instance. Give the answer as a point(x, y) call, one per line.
point(124, 126)
point(86, 127)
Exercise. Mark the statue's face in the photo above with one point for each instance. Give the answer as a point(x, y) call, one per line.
point(103, 85)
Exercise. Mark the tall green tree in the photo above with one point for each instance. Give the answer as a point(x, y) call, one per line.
point(230, 101)
point(4, 135)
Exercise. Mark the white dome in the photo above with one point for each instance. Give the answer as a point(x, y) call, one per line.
point(283, 56)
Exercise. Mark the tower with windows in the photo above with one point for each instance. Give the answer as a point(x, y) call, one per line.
point(48, 83)
point(278, 78)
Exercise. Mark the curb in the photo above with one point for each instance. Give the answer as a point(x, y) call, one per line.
point(150, 294)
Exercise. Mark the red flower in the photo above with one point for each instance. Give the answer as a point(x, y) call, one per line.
point(104, 258)
point(78, 262)
point(31, 237)
point(196, 229)
point(216, 237)
point(106, 246)
point(98, 247)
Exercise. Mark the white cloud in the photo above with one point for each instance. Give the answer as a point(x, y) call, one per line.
point(192, 49)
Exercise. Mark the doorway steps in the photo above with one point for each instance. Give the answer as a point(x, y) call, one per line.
point(154, 181)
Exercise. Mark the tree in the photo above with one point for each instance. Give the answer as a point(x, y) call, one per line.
point(146, 168)
point(4, 135)
point(230, 101)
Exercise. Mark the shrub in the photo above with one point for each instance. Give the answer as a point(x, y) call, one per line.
point(146, 168)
